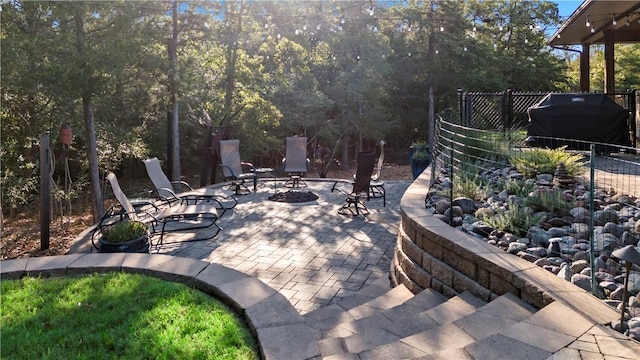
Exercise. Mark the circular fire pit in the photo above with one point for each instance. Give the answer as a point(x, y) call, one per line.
point(293, 196)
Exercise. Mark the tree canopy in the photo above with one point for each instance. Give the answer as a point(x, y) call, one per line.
point(343, 73)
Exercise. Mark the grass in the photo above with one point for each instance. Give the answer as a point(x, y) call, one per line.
point(117, 316)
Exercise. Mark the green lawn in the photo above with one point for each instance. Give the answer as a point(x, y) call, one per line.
point(117, 316)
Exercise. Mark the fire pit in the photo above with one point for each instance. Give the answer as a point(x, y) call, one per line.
point(293, 196)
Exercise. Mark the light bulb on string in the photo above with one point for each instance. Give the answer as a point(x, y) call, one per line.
point(266, 25)
point(495, 46)
point(526, 41)
point(278, 36)
point(614, 22)
point(474, 28)
point(318, 27)
point(342, 20)
point(465, 48)
point(628, 23)
point(409, 54)
point(371, 12)
point(500, 27)
point(593, 31)
point(587, 23)
point(441, 28)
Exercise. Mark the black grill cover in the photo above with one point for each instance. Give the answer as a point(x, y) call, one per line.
point(592, 117)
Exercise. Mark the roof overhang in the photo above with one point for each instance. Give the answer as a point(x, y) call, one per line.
point(601, 15)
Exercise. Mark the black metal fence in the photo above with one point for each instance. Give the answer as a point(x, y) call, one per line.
point(507, 110)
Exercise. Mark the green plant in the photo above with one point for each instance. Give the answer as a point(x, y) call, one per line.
point(421, 150)
point(518, 187)
point(470, 185)
point(124, 231)
point(532, 162)
point(516, 220)
point(547, 200)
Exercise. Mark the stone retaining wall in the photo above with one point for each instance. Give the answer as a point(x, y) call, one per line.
point(432, 254)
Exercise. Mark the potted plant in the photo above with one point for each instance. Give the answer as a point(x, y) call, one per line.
point(419, 158)
point(124, 236)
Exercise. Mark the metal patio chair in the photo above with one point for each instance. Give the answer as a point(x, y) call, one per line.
point(232, 167)
point(173, 191)
point(183, 217)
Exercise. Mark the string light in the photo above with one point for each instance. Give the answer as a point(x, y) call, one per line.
point(593, 31)
point(628, 24)
point(614, 22)
point(587, 24)
point(441, 28)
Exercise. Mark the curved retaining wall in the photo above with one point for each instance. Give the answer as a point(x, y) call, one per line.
point(280, 331)
point(431, 254)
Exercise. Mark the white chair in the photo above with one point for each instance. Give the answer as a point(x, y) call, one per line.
point(296, 163)
point(172, 191)
point(187, 217)
point(376, 186)
point(232, 167)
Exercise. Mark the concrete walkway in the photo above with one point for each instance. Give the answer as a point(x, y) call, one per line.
point(306, 251)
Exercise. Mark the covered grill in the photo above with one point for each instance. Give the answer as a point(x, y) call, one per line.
point(586, 117)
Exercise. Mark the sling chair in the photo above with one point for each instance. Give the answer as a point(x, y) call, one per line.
point(186, 217)
point(172, 191)
point(353, 203)
point(296, 163)
point(232, 167)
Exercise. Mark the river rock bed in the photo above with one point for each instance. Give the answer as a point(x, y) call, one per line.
point(559, 241)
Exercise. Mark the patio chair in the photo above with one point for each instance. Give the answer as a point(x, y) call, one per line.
point(296, 163)
point(172, 191)
point(232, 167)
point(376, 186)
point(186, 217)
point(353, 203)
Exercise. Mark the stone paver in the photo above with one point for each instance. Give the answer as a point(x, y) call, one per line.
point(308, 252)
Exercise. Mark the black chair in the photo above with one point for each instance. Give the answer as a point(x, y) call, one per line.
point(353, 203)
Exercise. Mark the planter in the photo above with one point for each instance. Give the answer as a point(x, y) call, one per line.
point(139, 245)
point(124, 236)
point(419, 158)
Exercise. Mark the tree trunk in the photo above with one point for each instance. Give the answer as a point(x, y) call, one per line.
point(87, 105)
point(431, 125)
point(345, 143)
point(173, 85)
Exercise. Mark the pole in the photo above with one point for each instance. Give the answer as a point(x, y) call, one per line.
point(45, 192)
point(592, 191)
point(627, 266)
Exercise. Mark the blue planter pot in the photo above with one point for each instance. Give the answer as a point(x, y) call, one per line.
point(419, 164)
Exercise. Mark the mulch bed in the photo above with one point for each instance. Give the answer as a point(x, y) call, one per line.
point(293, 196)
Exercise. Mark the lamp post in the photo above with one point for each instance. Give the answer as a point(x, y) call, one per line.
point(630, 256)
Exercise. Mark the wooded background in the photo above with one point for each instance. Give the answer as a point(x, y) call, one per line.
point(135, 79)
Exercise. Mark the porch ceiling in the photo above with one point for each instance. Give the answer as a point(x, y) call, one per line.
point(600, 14)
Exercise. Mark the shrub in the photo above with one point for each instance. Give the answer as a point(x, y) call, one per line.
point(547, 200)
point(518, 187)
point(516, 220)
point(125, 231)
point(470, 185)
point(532, 162)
